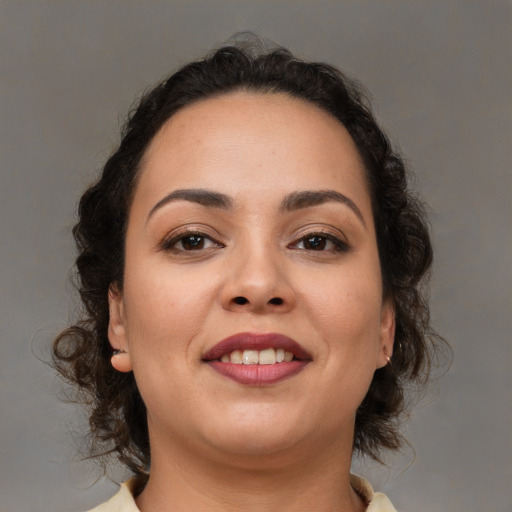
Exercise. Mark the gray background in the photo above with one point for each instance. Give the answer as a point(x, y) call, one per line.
point(440, 73)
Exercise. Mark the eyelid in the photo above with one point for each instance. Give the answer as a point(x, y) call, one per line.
point(323, 230)
point(336, 236)
point(176, 235)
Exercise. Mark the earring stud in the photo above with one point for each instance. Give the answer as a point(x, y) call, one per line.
point(387, 357)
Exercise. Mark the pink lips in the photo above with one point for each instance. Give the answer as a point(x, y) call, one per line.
point(257, 374)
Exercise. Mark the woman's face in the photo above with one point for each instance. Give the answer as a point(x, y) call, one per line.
point(251, 238)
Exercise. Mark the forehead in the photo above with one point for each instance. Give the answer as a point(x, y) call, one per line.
point(247, 141)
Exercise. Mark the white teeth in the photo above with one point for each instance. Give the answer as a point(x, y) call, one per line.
point(267, 356)
point(236, 357)
point(250, 357)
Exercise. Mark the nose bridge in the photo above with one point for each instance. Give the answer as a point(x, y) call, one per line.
point(256, 278)
point(257, 268)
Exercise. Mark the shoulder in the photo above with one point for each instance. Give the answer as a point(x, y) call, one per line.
point(377, 502)
point(121, 502)
point(380, 503)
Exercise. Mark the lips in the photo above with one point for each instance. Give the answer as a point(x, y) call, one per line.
point(257, 359)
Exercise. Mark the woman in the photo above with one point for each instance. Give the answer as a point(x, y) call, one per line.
point(252, 267)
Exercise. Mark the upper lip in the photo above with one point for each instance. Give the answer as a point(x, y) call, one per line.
point(255, 341)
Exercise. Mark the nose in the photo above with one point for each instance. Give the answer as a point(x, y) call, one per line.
point(257, 282)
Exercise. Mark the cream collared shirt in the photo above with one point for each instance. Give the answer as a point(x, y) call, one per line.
point(123, 501)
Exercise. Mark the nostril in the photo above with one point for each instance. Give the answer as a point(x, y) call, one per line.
point(277, 301)
point(240, 301)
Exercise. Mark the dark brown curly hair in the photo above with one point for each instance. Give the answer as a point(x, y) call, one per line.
point(82, 352)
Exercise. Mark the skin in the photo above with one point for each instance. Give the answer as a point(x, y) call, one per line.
point(217, 444)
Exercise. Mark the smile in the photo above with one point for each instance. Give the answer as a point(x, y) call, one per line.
point(257, 359)
point(267, 356)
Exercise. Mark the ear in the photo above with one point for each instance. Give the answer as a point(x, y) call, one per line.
point(387, 333)
point(121, 360)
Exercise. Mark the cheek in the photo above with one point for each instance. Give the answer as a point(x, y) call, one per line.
point(346, 302)
point(345, 311)
point(164, 307)
point(164, 315)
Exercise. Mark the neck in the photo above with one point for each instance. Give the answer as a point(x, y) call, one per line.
point(303, 480)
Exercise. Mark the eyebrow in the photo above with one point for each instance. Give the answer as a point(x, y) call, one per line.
point(308, 198)
point(292, 202)
point(200, 196)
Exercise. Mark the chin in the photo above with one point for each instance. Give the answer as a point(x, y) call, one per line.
point(256, 435)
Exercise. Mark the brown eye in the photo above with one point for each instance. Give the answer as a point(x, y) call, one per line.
point(315, 243)
point(192, 243)
point(320, 242)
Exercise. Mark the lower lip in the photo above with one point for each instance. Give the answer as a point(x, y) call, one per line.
point(258, 374)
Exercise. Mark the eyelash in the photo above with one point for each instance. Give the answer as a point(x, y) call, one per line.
point(171, 243)
point(339, 244)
